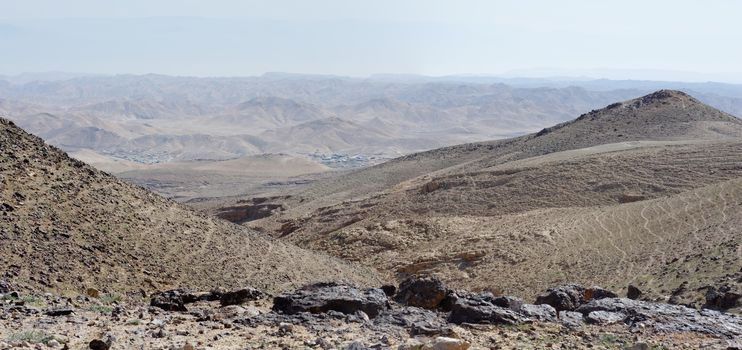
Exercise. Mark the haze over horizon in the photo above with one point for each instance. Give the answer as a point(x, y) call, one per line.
point(435, 38)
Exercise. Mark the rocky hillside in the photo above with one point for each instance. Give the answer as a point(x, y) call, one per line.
point(66, 227)
point(665, 115)
point(639, 192)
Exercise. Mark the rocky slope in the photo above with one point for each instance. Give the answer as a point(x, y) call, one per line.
point(422, 314)
point(642, 192)
point(66, 227)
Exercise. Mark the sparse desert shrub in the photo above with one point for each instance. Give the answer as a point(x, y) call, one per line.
point(109, 299)
point(32, 336)
point(102, 309)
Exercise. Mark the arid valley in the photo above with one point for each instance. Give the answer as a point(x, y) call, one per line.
point(221, 204)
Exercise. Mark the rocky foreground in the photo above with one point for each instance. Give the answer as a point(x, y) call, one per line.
point(421, 314)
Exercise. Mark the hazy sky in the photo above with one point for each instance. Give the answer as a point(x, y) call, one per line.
point(634, 39)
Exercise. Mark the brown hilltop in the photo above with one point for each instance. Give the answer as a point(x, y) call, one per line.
point(65, 227)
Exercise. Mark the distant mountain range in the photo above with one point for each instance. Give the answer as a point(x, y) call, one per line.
point(156, 118)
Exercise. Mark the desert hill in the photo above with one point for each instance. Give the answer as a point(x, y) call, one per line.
point(89, 230)
point(661, 116)
point(615, 187)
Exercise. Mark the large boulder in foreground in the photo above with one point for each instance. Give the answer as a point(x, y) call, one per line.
point(663, 317)
point(324, 297)
point(425, 292)
point(479, 308)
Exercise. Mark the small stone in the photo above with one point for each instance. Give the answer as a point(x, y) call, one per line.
point(324, 344)
point(92, 292)
point(188, 346)
point(444, 343)
point(356, 345)
point(98, 344)
point(389, 289)
point(362, 316)
point(59, 312)
point(638, 346)
point(52, 344)
point(285, 327)
point(411, 344)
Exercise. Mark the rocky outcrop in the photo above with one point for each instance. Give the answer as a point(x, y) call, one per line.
point(324, 297)
point(479, 310)
point(563, 298)
point(569, 297)
point(417, 320)
point(176, 299)
point(171, 300)
point(724, 298)
point(425, 292)
point(662, 317)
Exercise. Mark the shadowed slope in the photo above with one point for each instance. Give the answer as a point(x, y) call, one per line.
point(65, 226)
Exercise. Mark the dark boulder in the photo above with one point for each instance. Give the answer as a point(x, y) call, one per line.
point(570, 297)
point(324, 297)
point(389, 290)
point(478, 309)
point(240, 296)
point(172, 300)
point(176, 299)
point(563, 298)
point(723, 298)
point(98, 344)
point(59, 312)
point(509, 302)
point(598, 293)
point(417, 321)
point(425, 292)
point(633, 292)
point(541, 312)
point(683, 296)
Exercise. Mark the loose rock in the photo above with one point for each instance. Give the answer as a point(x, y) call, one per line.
point(240, 296)
point(443, 343)
point(633, 292)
